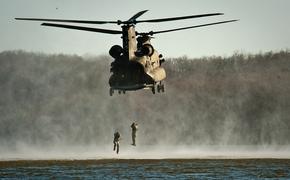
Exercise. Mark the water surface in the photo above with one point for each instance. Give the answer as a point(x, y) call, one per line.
point(148, 168)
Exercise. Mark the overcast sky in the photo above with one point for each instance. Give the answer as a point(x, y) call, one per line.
point(263, 26)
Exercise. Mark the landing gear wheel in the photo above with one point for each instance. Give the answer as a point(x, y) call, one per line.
point(158, 88)
point(111, 91)
point(124, 91)
point(162, 88)
point(153, 89)
point(119, 91)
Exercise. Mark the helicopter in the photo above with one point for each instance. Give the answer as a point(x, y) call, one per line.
point(137, 64)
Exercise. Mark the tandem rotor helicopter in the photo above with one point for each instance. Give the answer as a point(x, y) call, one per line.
point(137, 64)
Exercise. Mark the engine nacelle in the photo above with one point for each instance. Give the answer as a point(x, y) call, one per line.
point(145, 50)
point(116, 51)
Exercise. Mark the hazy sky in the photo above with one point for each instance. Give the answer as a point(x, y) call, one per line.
point(263, 26)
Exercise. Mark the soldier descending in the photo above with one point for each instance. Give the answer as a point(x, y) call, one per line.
point(116, 141)
point(134, 127)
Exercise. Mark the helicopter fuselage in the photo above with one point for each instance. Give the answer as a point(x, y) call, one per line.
point(136, 65)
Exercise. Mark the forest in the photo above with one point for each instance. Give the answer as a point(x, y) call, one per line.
point(59, 99)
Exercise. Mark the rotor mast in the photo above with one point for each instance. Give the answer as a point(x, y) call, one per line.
point(129, 41)
point(129, 36)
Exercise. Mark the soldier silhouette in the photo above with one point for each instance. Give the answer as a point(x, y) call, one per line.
point(134, 127)
point(116, 141)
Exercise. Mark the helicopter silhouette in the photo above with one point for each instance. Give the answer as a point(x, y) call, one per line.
point(137, 64)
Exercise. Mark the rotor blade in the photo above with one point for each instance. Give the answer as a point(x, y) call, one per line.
point(69, 21)
point(106, 31)
point(133, 18)
point(179, 18)
point(178, 29)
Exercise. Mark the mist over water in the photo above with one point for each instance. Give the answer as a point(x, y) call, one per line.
point(58, 106)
